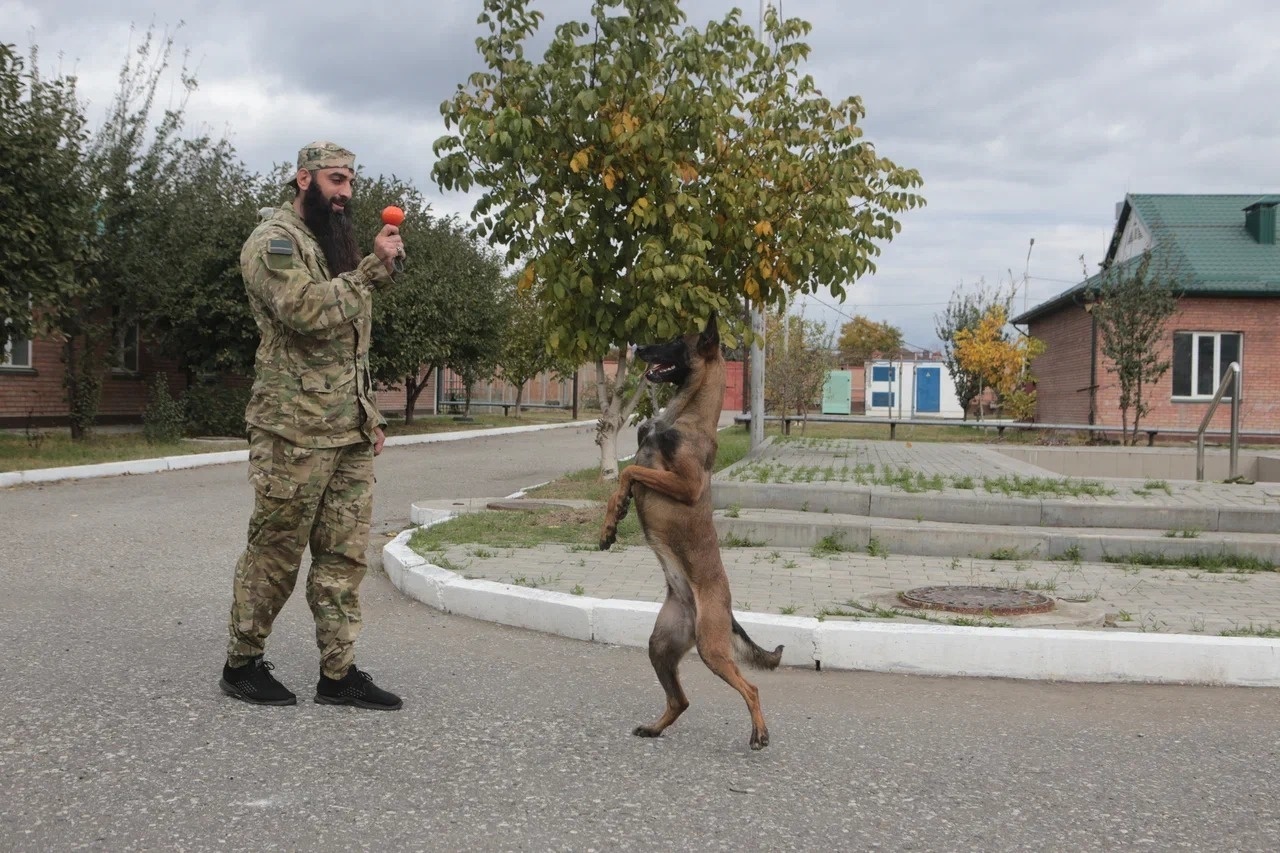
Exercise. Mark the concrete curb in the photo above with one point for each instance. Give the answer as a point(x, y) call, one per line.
point(1023, 653)
point(197, 460)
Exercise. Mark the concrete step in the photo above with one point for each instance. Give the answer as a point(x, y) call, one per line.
point(795, 529)
point(979, 508)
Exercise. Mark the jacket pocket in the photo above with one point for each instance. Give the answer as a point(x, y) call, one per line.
point(325, 381)
point(272, 485)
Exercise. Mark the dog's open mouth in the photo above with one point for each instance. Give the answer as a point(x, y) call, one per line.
point(660, 371)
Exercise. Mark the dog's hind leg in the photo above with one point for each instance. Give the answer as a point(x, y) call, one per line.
point(672, 637)
point(715, 646)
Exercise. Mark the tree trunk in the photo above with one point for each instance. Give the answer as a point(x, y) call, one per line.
point(466, 395)
point(614, 411)
point(412, 389)
point(519, 398)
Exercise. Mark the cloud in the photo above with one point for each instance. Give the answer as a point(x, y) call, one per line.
point(1027, 120)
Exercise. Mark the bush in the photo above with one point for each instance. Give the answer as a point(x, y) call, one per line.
point(215, 410)
point(163, 421)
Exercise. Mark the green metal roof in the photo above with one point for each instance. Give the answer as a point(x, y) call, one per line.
point(1202, 238)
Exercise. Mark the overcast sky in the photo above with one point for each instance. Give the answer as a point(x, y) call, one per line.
point(1027, 120)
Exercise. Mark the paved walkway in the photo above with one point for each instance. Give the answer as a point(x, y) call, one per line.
point(864, 586)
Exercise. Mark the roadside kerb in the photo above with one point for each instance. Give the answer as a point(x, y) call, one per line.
point(197, 460)
point(1022, 653)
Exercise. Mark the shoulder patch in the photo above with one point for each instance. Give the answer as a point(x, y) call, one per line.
point(280, 247)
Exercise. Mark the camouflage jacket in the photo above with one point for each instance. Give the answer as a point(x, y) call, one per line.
point(311, 378)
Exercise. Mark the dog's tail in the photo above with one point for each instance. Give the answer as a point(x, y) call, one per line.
point(747, 652)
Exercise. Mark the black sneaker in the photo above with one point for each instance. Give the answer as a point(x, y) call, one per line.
point(355, 688)
point(254, 683)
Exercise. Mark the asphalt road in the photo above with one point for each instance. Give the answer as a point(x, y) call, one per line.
point(114, 736)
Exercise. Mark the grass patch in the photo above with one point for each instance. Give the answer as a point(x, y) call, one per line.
point(1251, 630)
point(829, 545)
point(1010, 554)
point(53, 450)
point(1157, 486)
point(510, 529)
point(1030, 487)
point(1223, 561)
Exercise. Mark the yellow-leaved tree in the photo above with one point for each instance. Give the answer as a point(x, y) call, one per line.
point(999, 363)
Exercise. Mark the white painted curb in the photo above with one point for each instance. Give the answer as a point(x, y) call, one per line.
point(198, 460)
point(1023, 653)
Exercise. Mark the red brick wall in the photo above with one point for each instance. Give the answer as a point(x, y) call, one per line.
point(1062, 373)
point(1062, 370)
point(41, 394)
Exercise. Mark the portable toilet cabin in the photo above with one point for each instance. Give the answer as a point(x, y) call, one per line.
point(897, 388)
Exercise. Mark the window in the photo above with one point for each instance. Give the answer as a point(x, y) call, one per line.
point(17, 352)
point(126, 348)
point(883, 373)
point(1200, 359)
point(882, 399)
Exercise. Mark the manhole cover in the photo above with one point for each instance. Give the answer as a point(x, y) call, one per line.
point(994, 600)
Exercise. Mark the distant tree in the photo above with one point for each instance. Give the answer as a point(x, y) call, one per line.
point(860, 337)
point(1132, 304)
point(798, 364)
point(44, 204)
point(136, 163)
point(987, 353)
point(965, 311)
point(525, 353)
point(195, 311)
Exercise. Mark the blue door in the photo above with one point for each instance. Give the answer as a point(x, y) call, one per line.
point(929, 390)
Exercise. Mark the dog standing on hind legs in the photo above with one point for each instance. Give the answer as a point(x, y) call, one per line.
point(671, 485)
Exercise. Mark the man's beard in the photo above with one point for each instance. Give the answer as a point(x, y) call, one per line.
point(335, 232)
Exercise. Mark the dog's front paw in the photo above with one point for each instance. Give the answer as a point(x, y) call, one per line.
point(759, 738)
point(646, 731)
point(608, 536)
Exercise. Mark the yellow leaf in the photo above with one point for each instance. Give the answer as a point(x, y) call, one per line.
point(610, 178)
point(580, 161)
point(764, 227)
point(688, 173)
point(526, 280)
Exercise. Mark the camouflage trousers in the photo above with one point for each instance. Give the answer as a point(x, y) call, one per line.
point(322, 497)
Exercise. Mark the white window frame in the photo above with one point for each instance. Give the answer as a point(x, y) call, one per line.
point(7, 361)
point(1200, 394)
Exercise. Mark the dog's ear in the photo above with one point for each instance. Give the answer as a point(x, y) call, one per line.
point(709, 340)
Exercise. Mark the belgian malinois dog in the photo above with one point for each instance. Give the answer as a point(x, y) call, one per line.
point(671, 484)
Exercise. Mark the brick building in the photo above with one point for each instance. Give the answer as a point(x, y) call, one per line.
point(1223, 251)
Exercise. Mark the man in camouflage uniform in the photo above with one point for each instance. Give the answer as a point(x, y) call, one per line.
point(314, 429)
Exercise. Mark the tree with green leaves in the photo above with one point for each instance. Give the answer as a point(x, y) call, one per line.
point(524, 352)
point(798, 364)
point(445, 308)
point(1132, 304)
point(965, 312)
point(43, 199)
point(861, 337)
point(196, 311)
point(645, 173)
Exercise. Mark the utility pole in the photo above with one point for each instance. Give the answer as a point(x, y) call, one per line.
point(757, 328)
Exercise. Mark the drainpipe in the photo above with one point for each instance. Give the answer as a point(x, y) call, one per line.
point(1093, 368)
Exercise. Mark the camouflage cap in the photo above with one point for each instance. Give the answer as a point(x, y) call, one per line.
point(324, 155)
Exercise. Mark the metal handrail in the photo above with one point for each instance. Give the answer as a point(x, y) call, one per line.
point(1230, 379)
